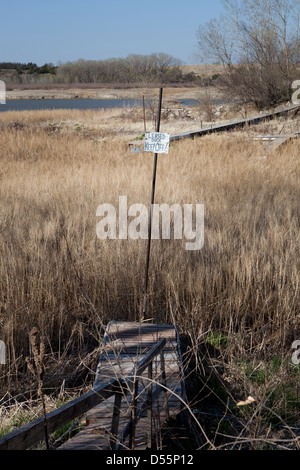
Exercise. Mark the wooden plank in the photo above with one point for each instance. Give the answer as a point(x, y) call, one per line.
point(229, 125)
point(123, 348)
point(281, 140)
point(31, 433)
point(276, 140)
point(28, 435)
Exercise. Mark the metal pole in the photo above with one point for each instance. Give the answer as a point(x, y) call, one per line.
point(144, 111)
point(151, 208)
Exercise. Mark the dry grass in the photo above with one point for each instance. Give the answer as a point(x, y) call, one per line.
point(56, 275)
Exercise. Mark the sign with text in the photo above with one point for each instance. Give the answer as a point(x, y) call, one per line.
point(157, 142)
point(2, 352)
point(2, 92)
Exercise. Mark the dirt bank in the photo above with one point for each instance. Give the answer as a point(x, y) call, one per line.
point(111, 93)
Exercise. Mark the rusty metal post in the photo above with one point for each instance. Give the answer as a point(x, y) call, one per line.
point(144, 114)
point(151, 209)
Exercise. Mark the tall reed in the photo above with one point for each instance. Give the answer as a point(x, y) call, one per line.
point(55, 274)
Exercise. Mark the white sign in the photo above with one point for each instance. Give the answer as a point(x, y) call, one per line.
point(156, 142)
point(2, 92)
point(2, 352)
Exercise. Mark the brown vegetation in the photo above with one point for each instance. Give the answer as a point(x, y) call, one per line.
point(238, 296)
point(262, 37)
point(135, 68)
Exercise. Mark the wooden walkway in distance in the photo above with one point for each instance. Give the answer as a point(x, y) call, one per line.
point(124, 345)
point(273, 141)
point(223, 127)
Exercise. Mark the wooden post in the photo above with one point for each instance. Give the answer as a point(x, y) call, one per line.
point(164, 382)
point(133, 415)
point(149, 400)
point(115, 419)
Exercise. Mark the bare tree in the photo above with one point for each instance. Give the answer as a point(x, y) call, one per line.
point(133, 69)
point(257, 41)
point(147, 68)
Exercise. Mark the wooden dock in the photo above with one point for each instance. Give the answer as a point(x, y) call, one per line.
point(151, 398)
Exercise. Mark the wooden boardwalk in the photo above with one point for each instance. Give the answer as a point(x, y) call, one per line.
point(224, 127)
point(273, 141)
point(124, 345)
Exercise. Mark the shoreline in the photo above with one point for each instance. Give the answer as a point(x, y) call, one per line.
point(111, 93)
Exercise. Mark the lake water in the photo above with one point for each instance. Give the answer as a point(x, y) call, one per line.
point(22, 105)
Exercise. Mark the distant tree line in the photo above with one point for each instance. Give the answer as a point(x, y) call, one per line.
point(135, 68)
point(30, 68)
point(153, 68)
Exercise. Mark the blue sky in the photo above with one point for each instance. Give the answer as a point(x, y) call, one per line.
point(56, 31)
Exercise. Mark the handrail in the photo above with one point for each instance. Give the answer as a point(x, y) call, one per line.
point(119, 444)
point(144, 363)
point(33, 432)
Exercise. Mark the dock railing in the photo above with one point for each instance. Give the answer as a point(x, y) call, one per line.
point(33, 433)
